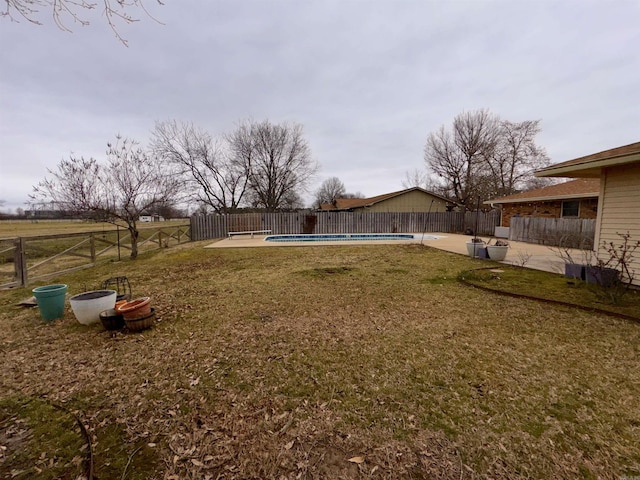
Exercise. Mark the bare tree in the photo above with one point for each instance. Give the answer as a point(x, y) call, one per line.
point(422, 179)
point(539, 182)
point(218, 178)
point(483, 156)
point(280, 159)
point(291, 202)
point(515, 157)
point(64, 11)
point(330, 190)
point(130, 183)
point(459, 156)
point(353, 195)
point(415, 178)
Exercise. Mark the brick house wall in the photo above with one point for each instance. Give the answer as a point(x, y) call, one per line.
point(552, 209)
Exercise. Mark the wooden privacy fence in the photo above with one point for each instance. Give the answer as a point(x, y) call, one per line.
point(565, 232)
point(26, 259)
point(205, 227)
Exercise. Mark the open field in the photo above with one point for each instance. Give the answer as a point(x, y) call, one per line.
point(30, 228)
point(324, 362)
point(72, 245)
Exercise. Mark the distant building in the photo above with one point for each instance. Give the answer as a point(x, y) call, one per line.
point(413, 199)
point(151, 218)
point(573, 199)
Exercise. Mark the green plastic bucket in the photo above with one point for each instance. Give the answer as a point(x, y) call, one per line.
point(51, 301)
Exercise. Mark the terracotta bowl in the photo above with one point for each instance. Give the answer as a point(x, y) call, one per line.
point(142, 322)
point(135, 308)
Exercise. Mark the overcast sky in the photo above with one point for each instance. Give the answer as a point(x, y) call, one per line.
point(368, 80)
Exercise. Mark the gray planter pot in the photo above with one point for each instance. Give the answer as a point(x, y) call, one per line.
point(477, 250)
point(497, 252)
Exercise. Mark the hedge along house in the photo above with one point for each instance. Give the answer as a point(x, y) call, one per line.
point(572, 199)
point(413, 199)
point(618, 171)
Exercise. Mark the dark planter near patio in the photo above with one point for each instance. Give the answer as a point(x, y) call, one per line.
point(606, 277)
point(575, 270)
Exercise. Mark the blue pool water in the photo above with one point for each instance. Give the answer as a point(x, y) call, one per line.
point(337, 237)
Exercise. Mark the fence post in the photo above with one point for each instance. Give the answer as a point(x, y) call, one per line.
point(20, 262)
point(92, 246)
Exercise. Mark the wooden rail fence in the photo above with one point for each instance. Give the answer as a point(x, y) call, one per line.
point(27, 259)
point(204, 227)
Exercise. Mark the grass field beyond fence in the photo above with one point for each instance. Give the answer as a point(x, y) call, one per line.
point(56, 246)
point(323, 362)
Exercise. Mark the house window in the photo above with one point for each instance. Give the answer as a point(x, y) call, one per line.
point(571, 208)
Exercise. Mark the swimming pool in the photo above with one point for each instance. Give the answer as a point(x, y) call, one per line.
point(345, 237)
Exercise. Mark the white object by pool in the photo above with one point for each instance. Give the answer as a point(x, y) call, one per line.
point(346, 237)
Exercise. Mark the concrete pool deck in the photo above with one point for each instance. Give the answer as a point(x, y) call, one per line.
point(540, 257)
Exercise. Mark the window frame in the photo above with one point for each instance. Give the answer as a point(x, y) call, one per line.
point(577, 209)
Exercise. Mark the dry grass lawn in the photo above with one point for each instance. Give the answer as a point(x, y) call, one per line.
point(324, 362)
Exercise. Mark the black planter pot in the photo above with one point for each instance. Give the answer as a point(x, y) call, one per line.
point(606, 277)
point(575, 270)
point(111, 320)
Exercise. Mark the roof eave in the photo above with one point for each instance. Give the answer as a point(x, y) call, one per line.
point(587, 169)
point(544, 199)
point(402, 192)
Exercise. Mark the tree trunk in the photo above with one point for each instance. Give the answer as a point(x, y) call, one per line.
point(134, 242)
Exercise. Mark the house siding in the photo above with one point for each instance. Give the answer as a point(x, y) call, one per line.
point(415, 201)
point(551, 209)
point(620, 210)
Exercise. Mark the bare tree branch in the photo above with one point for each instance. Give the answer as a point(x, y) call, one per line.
point(516, 157)
point(217, 177)
point(64, 10)
point(484, 156)
point(415, 178)
point(280, 159)
point(130, 183)
point(329, 191)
